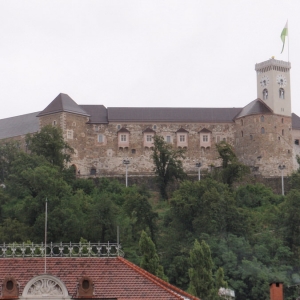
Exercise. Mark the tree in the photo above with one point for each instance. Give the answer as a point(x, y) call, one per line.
point(200, 273)
point(150, 259)
point(49, 142)
point(232, 168)
point(8, 153)
point(167, 164)
point(138, 208)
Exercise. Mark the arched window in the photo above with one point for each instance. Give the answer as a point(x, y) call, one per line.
point(282, 132)
point(282, 120)
point(265, 94)
point(251, 137)
point(262, 130)
point(242, 122)
point(262, 118)
point(281, 93)
point(242, 133)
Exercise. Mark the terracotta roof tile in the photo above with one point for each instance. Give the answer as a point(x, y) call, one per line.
point(112, 277)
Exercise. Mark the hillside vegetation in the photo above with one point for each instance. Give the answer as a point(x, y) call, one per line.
point(251, 235)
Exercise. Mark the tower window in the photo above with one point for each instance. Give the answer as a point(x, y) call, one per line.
point(262, 130)
point(281, 93)
point(69, 134)
point(262, 118)
point(282, 120)
point(282, 133)
point(251, 137)
point(265, 94)
point(242, 133)
point(100, 138)
point(242, 122)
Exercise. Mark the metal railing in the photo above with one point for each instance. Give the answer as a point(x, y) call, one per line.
point(61, 250)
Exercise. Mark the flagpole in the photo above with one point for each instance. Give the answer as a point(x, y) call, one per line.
point(46, 236)
point(288, 44)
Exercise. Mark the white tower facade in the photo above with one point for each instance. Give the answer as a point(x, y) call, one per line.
point(273, 85)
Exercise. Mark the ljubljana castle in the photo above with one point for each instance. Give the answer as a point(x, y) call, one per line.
point(264, 134)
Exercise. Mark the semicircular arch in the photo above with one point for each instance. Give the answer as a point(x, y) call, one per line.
point(45, 286)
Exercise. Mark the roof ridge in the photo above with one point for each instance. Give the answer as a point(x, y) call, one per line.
point(165, 285)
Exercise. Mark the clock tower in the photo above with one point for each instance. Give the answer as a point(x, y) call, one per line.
point(273, 85)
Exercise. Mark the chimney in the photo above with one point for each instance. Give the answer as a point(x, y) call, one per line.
point(276, 291)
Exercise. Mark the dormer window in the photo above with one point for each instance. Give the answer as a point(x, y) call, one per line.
point(123, 138)
point(281, 93)
point(205, 138)
point(148, 137)
point(265, 94)
point(182, 137)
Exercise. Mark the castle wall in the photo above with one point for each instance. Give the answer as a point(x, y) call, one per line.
point(264, 142)
point(104, 155)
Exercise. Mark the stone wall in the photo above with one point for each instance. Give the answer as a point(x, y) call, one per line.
point(264, 142)
point(106, 157)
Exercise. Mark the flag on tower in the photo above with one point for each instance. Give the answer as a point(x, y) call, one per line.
point(284, 33)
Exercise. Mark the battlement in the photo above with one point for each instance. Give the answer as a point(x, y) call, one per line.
point(273, 64)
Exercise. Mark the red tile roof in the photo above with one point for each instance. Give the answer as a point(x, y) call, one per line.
point(112, 277)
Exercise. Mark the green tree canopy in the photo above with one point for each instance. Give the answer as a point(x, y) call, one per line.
point(232, 169)
point(150, 259)
point(167, 164)
point(49, 143)
point(200, 273)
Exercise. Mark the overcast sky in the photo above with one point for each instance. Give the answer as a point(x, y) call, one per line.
point(198, 53)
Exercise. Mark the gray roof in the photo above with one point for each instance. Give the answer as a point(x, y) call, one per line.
point(123, 129)
point(181, 130)
point(172, 114)
point(63, 103)
point(149, 130)
point(295, 121)
point(98, 113)
point(20, 125)
point(255, 107)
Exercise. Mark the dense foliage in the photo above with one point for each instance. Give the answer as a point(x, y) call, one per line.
point(248, 236)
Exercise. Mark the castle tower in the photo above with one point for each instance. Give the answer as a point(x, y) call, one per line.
point(273, 85)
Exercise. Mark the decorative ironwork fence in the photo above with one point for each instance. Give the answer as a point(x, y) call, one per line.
point(61, 250)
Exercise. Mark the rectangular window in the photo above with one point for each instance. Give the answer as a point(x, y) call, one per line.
point(205, 138)
point(149, 138)
point(168, 139)
point(69, 134)
point(100, 138)
point(182, 138)
point(123, 138)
